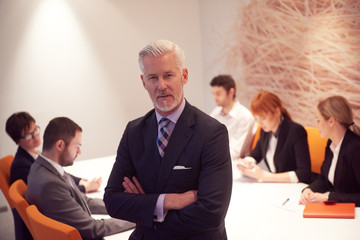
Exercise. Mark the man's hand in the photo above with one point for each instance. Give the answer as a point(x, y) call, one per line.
point(245, 163)
point(172, 201)
point(177, 201)
point(256, 172)
point(91, 186)
point(132, 187)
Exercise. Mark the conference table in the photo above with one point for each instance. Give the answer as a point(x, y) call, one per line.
point(256, 211)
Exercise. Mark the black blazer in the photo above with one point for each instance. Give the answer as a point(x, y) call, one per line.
point(21, 165)
point(346, 186)
point(292, 150)
point(200, 144)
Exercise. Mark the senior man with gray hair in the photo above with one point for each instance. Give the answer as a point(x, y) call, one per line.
point(172, 175)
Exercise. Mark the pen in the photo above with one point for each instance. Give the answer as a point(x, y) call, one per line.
point(285, 201)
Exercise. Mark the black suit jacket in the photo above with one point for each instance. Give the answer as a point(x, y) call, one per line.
point(292, 150)
point(346, 186)
point(21, 165)
point(200, 144)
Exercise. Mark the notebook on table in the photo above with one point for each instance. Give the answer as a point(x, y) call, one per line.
point(329, 210)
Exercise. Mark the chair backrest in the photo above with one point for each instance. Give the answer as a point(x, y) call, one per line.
point(256, 136)
point(5, 165)
point(317, 146)
point(17, 196)
point(46, 228)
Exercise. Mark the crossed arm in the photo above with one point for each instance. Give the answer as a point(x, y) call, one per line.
point(172, 201)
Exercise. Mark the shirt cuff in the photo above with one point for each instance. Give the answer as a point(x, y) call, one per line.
point(293, 177)
point(159, 214)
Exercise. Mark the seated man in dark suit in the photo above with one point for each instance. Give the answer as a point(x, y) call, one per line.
point(54, 193)
point(181, 191)
point(22, 128)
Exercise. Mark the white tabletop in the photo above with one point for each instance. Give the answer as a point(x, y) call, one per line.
point(255, 211)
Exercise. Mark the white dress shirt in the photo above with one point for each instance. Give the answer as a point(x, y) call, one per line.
point(334, 160)
point(159, 215)
point(241, 127)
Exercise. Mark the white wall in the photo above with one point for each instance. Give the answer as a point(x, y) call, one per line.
point(78, 58)
point(217, 22)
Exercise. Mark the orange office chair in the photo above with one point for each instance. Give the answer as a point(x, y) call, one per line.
point(256, 136)
point(317, 146)
point(5, 165)
point(46, 228)
point(17, 196)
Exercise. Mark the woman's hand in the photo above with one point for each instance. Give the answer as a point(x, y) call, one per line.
point(308, 196)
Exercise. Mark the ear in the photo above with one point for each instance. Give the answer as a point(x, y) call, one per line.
point(331, 121)
point(143, 81)
point(60, 145)
point(232, 92)
point(185, 75)
point(278, 112)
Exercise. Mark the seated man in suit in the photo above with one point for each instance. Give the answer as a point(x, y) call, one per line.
point(54, 193)
point(181, 191)
point(22, 128)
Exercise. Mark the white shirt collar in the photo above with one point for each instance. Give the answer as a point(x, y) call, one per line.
point(34, 155)
point(233, 112)
point(57, 166)
point(175, 115)
point(336, 149)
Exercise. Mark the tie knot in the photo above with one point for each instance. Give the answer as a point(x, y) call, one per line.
point(164, 122)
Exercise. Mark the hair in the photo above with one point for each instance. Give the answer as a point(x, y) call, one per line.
point(225, 81)
point(339, 108)
point(18, 124)
point(160, 48)
point(267, 102)
point(59, 128)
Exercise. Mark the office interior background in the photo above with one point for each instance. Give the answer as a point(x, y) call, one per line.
point(78, 58)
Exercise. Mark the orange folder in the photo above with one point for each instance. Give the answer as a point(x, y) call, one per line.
point(335, 210)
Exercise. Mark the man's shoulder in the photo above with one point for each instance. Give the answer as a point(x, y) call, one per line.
point(241, 111)
point(193, 114)
point(41, 169)
point(143, 119)
point(216, 111)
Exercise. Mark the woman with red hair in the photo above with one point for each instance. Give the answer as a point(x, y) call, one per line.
point(282, 145)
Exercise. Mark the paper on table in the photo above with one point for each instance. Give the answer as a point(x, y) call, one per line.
point(291, 205)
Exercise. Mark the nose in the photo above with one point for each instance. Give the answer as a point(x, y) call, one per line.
point(161, 84)
point(79, 151)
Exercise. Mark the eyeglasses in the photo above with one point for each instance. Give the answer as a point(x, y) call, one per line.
point(30, 135)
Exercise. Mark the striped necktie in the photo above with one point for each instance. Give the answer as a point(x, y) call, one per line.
point(163, 136)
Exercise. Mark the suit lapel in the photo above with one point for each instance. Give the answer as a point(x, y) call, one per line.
point(265, 146)
point(150, 147)
point(283, 131)
point(341, 159)
point(75, 192)
point(179, 139)
point(49, 167)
